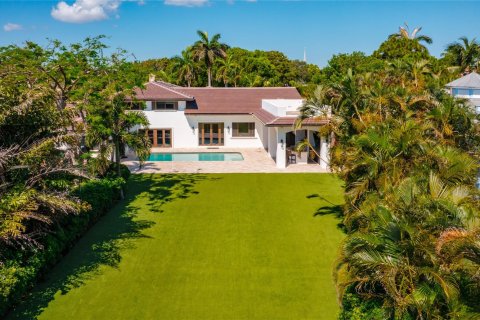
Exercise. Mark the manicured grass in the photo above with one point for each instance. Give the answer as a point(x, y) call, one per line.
point(226, 246)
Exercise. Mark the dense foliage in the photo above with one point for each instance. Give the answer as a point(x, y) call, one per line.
point(232, 67)
point(53, 99)
point(408, 153)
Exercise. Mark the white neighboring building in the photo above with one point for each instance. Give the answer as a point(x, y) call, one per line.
point(467, 87)
point(206, 118)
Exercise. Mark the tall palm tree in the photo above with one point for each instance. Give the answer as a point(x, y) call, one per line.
point(185, 65)
point(227, 71)
point(464, 53)
point(404, 32)
point(208, 50)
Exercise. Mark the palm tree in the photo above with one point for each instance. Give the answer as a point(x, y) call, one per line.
point(228, 70)
point(209, 50)
point(404, 32)
point(111, 126)
point(465, 53)
point(185, 65)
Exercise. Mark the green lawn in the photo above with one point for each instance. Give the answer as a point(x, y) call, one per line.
point(223, 246)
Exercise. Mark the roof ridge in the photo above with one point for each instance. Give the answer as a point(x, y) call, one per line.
point(172, 90)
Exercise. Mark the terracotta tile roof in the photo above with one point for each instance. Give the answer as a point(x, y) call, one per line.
point(234, 100)
point(290, 121)
point(216, 100)
point(264, 116)
point(161, 91)
point(226, 100)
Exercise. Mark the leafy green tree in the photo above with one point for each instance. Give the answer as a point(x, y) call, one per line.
point(208, 50)
point(37, 158)
point(405, 150)
point(185, 66)
point(110, 123)
point(404, 44)
point(464, 53)
point(404, 32)
point(228, 71)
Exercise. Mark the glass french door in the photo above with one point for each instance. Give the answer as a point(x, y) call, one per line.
point(210, 134)
point(160, 138)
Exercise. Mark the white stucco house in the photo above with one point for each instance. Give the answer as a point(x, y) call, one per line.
point(216, 118)
point(467, 87)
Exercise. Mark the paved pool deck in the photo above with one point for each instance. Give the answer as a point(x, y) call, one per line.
point(255, 161)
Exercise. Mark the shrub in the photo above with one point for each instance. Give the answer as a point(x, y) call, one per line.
point(21, 268)
point(354, 308)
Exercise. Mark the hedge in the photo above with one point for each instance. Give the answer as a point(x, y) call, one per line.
point(22, 268)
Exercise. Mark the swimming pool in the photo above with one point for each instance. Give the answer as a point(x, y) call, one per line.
point(196, 156)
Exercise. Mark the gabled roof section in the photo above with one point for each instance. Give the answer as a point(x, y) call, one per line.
point(159, 90)
point(234, 100)
point(470, 81)
point(290, 121)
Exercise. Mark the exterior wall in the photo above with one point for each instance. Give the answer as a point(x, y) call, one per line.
point(272, 142)
point(324, 152)
point(281, 154)
point(186, 137)
point(466, 93)
point(232, 142)
point(471, 94)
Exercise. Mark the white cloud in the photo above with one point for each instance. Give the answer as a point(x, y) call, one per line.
point(12, 27)
point(82, 11)
point(186, 3)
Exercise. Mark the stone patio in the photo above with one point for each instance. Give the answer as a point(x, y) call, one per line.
point(255, 160)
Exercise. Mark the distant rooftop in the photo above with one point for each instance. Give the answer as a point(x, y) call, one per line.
point(470, 81)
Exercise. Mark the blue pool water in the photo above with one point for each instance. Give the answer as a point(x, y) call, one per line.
point(197, 156)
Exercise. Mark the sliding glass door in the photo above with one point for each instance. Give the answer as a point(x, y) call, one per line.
point(210, 134)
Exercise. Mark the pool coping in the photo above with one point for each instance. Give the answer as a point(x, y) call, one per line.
point(256, 160)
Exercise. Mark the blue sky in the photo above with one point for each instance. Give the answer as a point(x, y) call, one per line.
point(151, 29)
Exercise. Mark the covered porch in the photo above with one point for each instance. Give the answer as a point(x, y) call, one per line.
point(282, 142)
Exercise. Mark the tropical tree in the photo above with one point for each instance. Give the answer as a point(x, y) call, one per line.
point(37, 156)
point(404, 44)
point(228, 71)
point(404, 149)
point(185, 66)
point(208, 50)
point(464, 53)
point(404, 32)
point(110, 123)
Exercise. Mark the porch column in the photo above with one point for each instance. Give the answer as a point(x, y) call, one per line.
point(324, 153)
point(272, 142)
point(281, 158)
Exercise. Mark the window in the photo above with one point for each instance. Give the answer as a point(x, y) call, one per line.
point(463, 92)
point(475, 92)
point(162, 105)
point(243, 129)
point(161, 138)
point(210, 134)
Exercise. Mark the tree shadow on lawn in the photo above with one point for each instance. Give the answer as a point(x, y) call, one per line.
point(104, 243)
point(331, 208)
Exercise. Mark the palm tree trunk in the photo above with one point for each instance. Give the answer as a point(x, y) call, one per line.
point(117, 161)
point(209, 73)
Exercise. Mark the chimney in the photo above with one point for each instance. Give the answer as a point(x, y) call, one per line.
point(151, 77)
